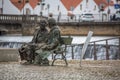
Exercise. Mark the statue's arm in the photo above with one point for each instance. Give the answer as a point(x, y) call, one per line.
point(55, 41)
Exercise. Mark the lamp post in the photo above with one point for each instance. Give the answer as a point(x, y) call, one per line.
point(23, 1)
point(101, 9)
point(108, 1)
point(41, 3)
point(23, 17)
point(2, 6)
point(48, 7)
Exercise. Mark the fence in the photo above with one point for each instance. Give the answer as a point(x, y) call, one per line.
point(59, 18)
point(77, 18)
point(18, 18)
point(98, 50)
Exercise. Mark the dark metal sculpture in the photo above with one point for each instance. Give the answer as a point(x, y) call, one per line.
point(27, 50)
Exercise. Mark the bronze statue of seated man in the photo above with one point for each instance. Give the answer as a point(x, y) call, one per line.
point(27, 50)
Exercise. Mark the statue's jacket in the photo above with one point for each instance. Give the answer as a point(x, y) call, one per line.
point(52, 44)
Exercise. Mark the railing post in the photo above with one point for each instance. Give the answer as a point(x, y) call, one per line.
point(22, 30)
point(107, 51)
point(35, 19)
point(52, 56)
point(95, 56)
point(119, 49)
point(65, 49)
point(72, 52)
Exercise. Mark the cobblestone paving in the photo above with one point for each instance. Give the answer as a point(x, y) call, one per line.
point(90, 70)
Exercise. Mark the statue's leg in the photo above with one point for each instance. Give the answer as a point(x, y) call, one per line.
point(29, 54)
point(45, 62)
point(42, 57)
point(37, 60)
point(22, 54)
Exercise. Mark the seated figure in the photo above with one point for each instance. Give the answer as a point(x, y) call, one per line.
point(53, 43)
point(27, 50)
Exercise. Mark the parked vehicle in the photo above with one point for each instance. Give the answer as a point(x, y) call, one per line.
point(116, 16)
point(87, 17)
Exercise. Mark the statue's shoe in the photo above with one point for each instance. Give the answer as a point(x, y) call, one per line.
point(26, 63)
point(45, 64)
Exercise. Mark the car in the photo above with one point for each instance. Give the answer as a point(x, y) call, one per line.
point(116, 16)
point(87, 18)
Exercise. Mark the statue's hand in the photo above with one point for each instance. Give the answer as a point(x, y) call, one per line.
point(44, 47)
point(48, 47)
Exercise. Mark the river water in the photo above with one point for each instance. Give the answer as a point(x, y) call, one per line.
point(76, 39)
point(13, 42)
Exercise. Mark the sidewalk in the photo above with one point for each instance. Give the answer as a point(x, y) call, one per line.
point(90, 70)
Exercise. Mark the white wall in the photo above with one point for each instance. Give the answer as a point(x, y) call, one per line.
point(9, 8)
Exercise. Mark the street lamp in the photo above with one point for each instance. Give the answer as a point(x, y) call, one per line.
point(23, 1)
point(101, 9)
point(108, 1)
point(2, 6)
point(23, 17)
point(48, 7)
point(41, 3)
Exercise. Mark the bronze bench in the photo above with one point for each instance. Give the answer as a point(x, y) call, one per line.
point(62, 51)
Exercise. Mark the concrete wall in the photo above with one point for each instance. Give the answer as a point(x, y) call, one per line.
point(8, 55)
point(98, 30)
point(81, 30)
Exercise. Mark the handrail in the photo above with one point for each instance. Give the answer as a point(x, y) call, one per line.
point(97, 41)
point(106, 46)
point(104, 39)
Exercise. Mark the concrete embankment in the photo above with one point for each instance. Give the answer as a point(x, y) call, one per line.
point(73, 28)
point(8, 55)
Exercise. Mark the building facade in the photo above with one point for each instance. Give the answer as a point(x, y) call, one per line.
point(58, 7)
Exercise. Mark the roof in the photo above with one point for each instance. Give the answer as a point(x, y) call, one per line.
point(71, 3)
point(20, 6)
point(98, 2)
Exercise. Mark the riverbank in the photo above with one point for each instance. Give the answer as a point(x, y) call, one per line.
point(90, 70)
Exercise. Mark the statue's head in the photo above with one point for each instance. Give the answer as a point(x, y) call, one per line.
point(51, 22)
point(43, 23)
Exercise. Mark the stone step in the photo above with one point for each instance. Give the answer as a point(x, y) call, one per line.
point(9, 55)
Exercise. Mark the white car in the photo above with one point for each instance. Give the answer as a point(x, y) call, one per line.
point(87, 18)
point(117, 15)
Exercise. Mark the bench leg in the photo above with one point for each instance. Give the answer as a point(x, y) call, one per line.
point(54, 59)
point(63, 56)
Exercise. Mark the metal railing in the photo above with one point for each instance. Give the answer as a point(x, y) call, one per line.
point(105, 49)
point(110, 47)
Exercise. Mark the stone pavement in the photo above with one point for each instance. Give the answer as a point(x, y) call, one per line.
point(90, 70)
